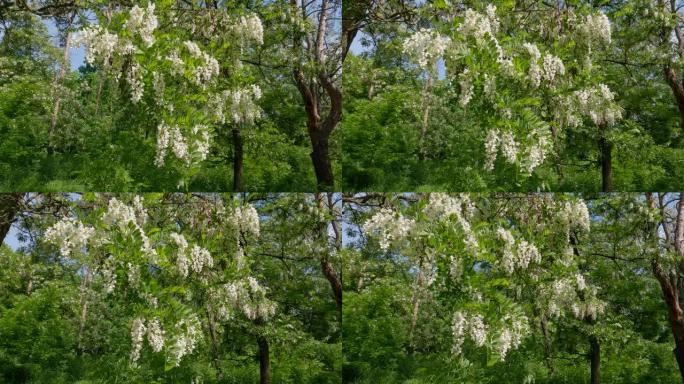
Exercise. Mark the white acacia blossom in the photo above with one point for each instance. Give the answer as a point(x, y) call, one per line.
point(189, 333)
point(443, 206)
point(596, 102)
point(99, 43)
point(248, 296)
point(466, 85)
point(70, 235)
point(239, 104)
point(155, 335)
point(143, 22)
point(137, 337)
point(247, 219)
point(207, 70)
point(426, 47)
point(479, 25)
point(516, 255)
point(389, 227)
point(251, 29)
point(596, 28)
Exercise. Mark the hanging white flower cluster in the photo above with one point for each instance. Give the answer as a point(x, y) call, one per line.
point(196, 259)
point(137, 336)
point(529, 158)
point(251, 29)
point(576, 213)
point(504, 141)
point(511, 336)
point(466, 84)
point(389, 227)
point(248, 296)
point(596, 102)
point(513, 329)
point(516, 255)
point(189, 333)
point(564, 295)
point(247, 219)
point(463, 325)
point(100, 44)
point(241, 104)
point(135, 81)
point(596, 28)
point(551, 67)
point(155, 334)
point(125, 217)
point(143, 22)
point(480, 25)
point(426, 47)
point(177, 64)
point(70, 235)
point(442, 206)
point(193, 148)
point(205, 72)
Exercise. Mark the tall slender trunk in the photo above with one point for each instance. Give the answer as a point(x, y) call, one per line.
point(59, 79)
point(595, 357)
point(9, 207)
point(326, 266)
point(264, 361)
point(214, 342)
point(606, 155)
point(548, 350)
point(85, 284)
point(238, 160)
point(417, 291)
point(427, 91)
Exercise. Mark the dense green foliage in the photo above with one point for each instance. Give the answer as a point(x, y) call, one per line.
point(388, 145)
point(613, 256)
point(102, 140)
point(62, 320)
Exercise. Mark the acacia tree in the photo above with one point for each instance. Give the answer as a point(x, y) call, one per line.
point(532, 69)
point(499, 266)
point(193, 277)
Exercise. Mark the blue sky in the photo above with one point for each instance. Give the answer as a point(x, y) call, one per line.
point(76, 55)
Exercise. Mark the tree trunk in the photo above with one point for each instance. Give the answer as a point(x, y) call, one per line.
point(677, 90)
point(84, 311)
point(59, 79)
point(214, 342)
point(326, 266)
point(420, 278)
point(669, 281)
point(264, 361)
point(238, 160)
point(9, 207)
point(548, 350)
point(426, 115)
point(595, 356)
point(321, 161)
point(606, 148)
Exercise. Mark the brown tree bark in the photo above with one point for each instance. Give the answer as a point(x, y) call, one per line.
point(311, 88)
point(9, 207)
point(669, 281)
point(238, 160)
point(595, 357)
point(326, 266)
point(264, 361)
point(606, 155)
